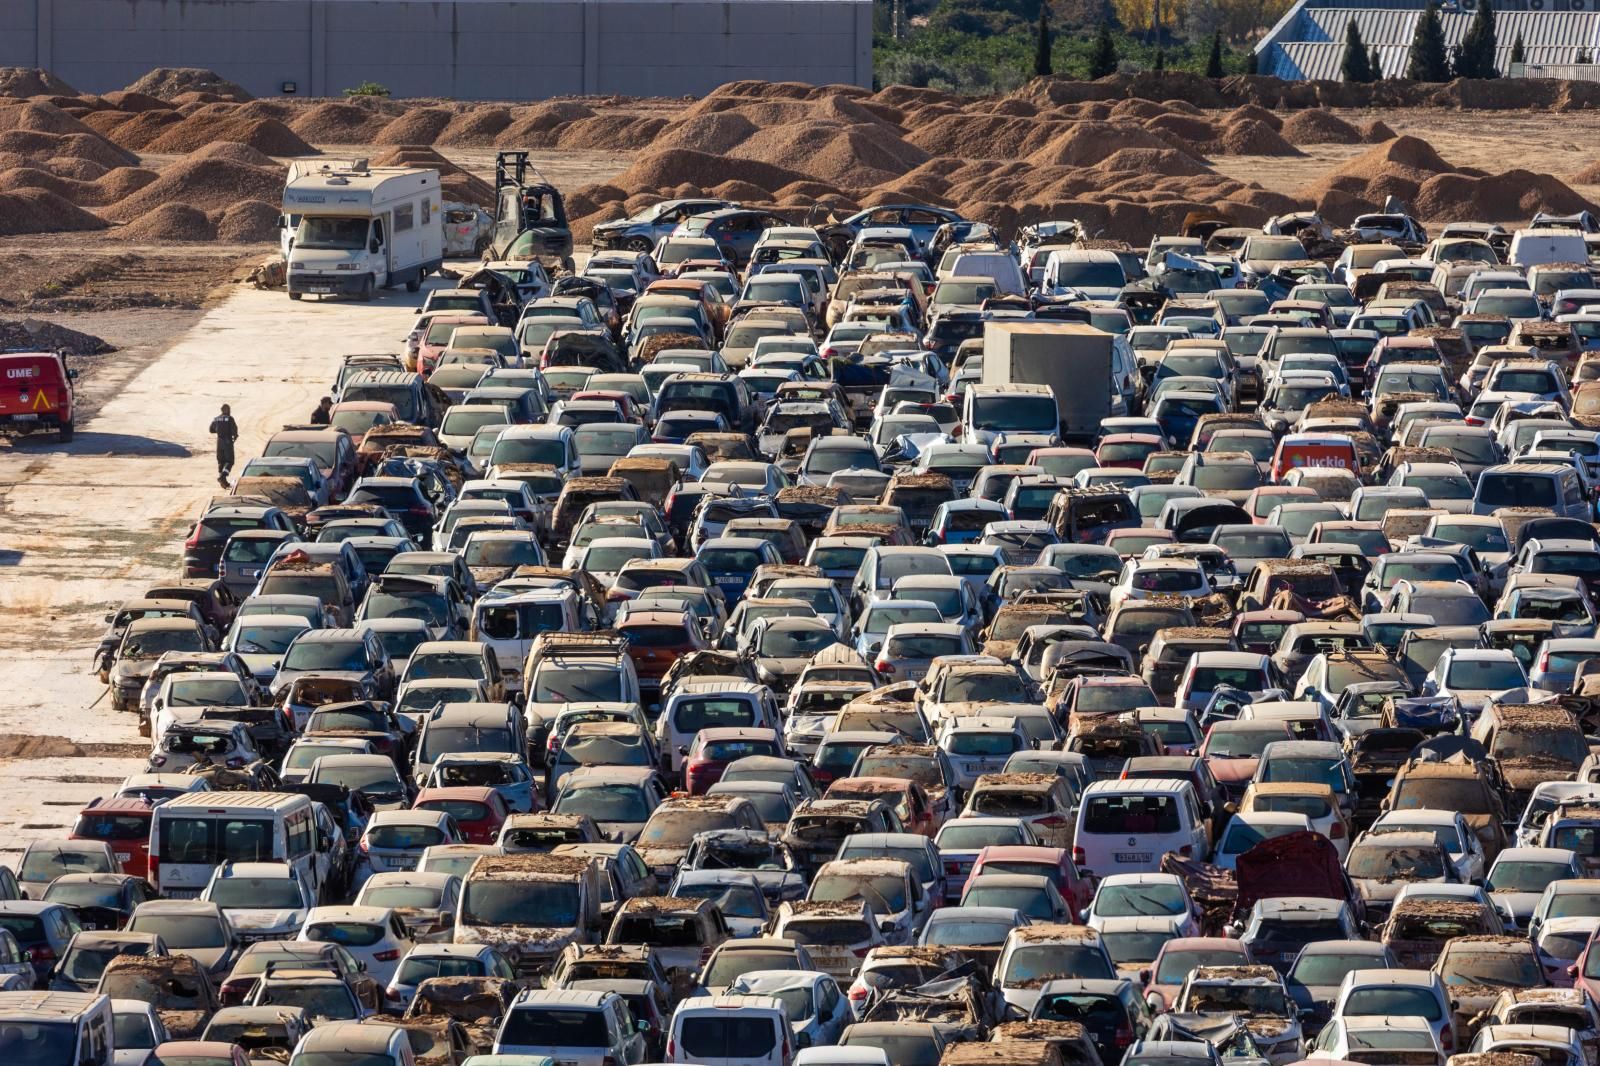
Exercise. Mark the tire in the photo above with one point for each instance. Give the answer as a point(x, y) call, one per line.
point(638, 244)
point(365, 295)
point(65, 434)
point(296, 295)
point(415, 283)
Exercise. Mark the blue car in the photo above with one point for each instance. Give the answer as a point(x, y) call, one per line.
point(962, 521)
point(732, 562)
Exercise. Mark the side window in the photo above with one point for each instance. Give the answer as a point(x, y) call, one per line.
point(427, 210)
point(402, 218)
point(377, 230)
point(829, 997)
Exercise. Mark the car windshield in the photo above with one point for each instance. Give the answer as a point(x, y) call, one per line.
point(1380, 862)
point(1525, 876)
point(182, 930)
point(261, 893)
point(605, 803)
point(1501, 968)
point(1083, 960)
point(1485, 674)
point(1116, 901)
point(1396, 1000)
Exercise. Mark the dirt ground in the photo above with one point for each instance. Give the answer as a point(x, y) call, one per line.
point(86, 525)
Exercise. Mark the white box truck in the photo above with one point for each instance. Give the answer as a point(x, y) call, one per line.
point(1073, 359)
point(358, 229)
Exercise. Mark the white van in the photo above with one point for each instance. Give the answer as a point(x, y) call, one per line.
point(698, 705)
point(71, 1028)
point(1531, 247)
point(361, 228)
point(998, 267)
point(730, 1030)
point(510, 624)
point(1125, 827)
point(191, 836)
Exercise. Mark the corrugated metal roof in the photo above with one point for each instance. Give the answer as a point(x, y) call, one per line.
point(1377, 25)
point(1311, 45)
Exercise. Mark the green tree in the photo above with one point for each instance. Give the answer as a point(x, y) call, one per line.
point(1583, 56)
point(1428, 60)
point(1041, 55)
point(1477, 48)
point(1214, 61)
point(1161, 61)
point(1103, 59)
point(1375, 61)
point(1518, 55)
point(1356, 65)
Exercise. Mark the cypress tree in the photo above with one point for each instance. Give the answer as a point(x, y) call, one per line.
point(1375, 61)
point(1477, 49)
point(1428, 60)
point(1161, 60)
point(1517, 53)
point(1214, 63)
point(1041, 57)
point(1356, 66)
point(1103, 60)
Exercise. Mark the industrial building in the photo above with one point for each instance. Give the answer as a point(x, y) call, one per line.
point(463, 49)
point(1308, 42)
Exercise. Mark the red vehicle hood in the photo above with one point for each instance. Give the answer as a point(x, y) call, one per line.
point(1299, 864)
point(1230, 770)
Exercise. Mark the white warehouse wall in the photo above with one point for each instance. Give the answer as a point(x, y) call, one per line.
point(464, 49)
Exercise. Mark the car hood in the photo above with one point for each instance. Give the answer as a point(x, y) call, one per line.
point(1232, 770)
point(254, 920)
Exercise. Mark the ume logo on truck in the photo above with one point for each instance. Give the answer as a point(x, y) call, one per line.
point(21, 371)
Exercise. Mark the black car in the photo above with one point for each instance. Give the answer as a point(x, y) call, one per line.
point(202, 549)
point(403, 498)
point(101, 901)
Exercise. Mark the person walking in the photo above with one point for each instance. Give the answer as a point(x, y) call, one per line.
point(324, 412)
point(226, 431)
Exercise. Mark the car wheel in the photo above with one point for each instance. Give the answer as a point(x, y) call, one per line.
point(365, 295)
point(415, 283)
point(66, 433)
point(296, 295)
point(637, 244)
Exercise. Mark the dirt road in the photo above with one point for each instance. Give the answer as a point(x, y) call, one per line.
point(87, 525)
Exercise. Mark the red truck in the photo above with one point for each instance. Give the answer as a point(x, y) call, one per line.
point(35, 394)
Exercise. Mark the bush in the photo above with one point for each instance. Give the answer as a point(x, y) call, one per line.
point(367, 88)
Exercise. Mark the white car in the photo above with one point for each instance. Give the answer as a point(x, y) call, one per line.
point(1143, 895)
point(426, 901)
point(139, 1030)
point(261, 900)
point(1449, 828)
point(1474, 675)
point(1392, 1032)
point(818, 1010)
point(374, 935)
point(1249, 828)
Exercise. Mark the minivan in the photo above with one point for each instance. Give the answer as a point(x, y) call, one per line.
point(71, 1028)
point(190, 836)
point(1532, 485)
point(576, 1028)
point(697, 705)
point(1126, 827)
point(730, 1030)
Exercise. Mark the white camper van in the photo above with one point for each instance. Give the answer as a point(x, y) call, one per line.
point(357, 229)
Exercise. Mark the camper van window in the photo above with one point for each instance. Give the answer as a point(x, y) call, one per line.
point(427, 210)
point(402, 218)
point(342, 233)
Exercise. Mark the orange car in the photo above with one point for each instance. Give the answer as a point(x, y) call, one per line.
point(716, 310)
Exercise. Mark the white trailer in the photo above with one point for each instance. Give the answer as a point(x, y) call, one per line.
point(358, 229)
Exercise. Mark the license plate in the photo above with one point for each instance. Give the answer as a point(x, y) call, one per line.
point(124, 856)
point(255, 572)
point(29, 417)
point(320, 288)
point(1132, 856)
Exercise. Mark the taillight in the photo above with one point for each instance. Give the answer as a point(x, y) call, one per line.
point(1337, 831)
point(952, 867)
point(391, 995)
point(671, 1047)
point(1544, 661)
point(883, 666)
point(387, 956)
point(194, 537)
point(1080, 857)
point(43, 953)
point(421, 512)
point(1124, 1036)
point(152, 871)
point(1447, 1039)
point(858, 993)
point(861, 953)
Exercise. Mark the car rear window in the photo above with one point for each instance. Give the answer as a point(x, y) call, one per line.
point(1131, 814)
point(544, 1027)
point(727, 1035)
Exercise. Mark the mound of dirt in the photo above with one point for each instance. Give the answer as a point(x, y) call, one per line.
point(1589, 175)
point(82, 169)
point(1187, 128)
point(420, 125)
point(475, 129)
point(90, 146)
point(266, 135)
point(675, 166)
point(126, 100)
point(203, 184)
point(169, 222)
point(251, 222)
point(23, 82)
point(1408, 157)
point(716, 133)
point(42, 211)
point(1509, 197)
point(103, 122)
point(142, 128)
point(1249, 137)
point(1376, 132)
point(42, 117)
point(850, 157)
point(167, 83)
point(1153, 162)
point(1086, 143)
point(456, 183)
point(610, 132)
point(336, 122)
point(1319, 127)
point(37, 334)
point(233, 151)
point(538, 126)
point(1252, 113)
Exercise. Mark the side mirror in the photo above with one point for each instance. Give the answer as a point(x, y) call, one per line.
point(72, 375)
point(1083, 914)
point(361, 966)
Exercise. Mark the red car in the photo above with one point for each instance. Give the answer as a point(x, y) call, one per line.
point(478, 811)
point(656, 640)
point(713, 749)
point(123, 822)
point(1054, 863)
point(1128, 450)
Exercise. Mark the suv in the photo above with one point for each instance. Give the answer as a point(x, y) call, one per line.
point(202, 549)
point(578, 1028)
point(500, 905)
